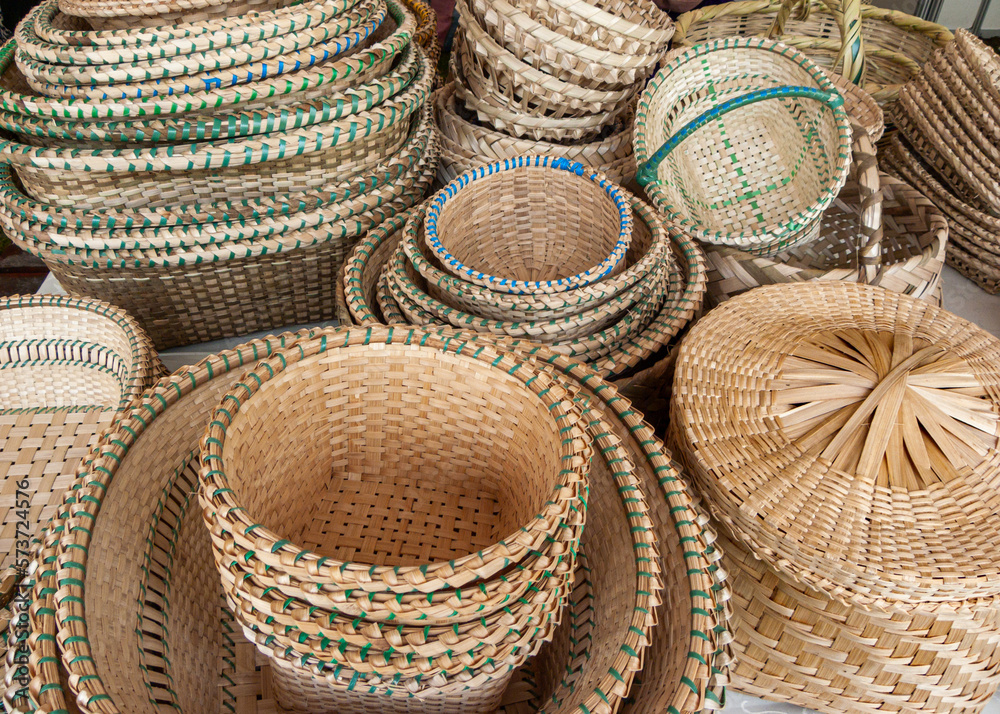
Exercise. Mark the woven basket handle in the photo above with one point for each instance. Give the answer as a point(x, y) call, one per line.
point(864, 171)
point(647, 172)
point(847, 14)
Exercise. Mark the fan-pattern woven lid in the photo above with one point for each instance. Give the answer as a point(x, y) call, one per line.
point(848, 434)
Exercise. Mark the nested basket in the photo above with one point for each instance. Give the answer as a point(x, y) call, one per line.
point(880, 49)
point(68, 366)
point(505, 227)
point(879, 231)
point(626, 26)
point(974, 235)
point(744, 143)
point(477, 144)
point(153, 483)
point(862, 421)
point(126, 14)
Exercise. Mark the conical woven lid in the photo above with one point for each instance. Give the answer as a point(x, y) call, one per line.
point(848, 434)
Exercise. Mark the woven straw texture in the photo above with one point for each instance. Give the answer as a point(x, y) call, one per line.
point(762, 148)
point(681, 669)
point(895, 45)
point(879, 230)
point(877, 423)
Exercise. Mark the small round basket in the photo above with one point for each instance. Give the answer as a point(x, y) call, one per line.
point(762, 158)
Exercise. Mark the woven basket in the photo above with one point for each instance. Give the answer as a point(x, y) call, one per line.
point(487, 204)
point(68, 367)
point(974, 236)
point(364, 65)
point(863, 421)
point(232, 64)
point(879, 230)
point(487, 145)
point(764, 146)
point(860, 106)
point(625, 26)
point(124, 14)
point(691, 617)
point(893, 45)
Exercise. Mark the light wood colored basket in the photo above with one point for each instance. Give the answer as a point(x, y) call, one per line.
point(127, 14)
point(68, 366)
point(692, 622)
point(861, 421)
point(974, 235)
point(627, 26)
point(892, 48)
point(879, 231)
point(752, 132)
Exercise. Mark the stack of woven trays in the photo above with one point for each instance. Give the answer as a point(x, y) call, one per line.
point(496, 253)
point(947, 147)
point(557, 77)
point(846, 439)
point(645, 631)
point(211, 177)
point(67, 368)
point(426, 556)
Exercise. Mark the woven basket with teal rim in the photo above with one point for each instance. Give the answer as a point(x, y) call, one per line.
point(680, 671)
point(742, 142)
point(111, 228)
point(497, 216)
point(224, 65)
point(364, 65)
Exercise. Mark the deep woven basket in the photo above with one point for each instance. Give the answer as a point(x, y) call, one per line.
point(728, 127)
point(879, 231)
point(893, 47)
point(692, 623)
point(873, 415)
point(625, 26)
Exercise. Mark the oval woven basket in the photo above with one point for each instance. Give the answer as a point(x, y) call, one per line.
point(879, 231)
point(693, 622)
point(702, 100)
point(625, 26)
point(362, 66)
point(68, 366)
point(487, 203)
point(895, 45)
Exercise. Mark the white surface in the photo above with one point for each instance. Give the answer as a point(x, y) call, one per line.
point(961, 296)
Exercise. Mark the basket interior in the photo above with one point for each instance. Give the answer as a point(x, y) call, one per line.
point(751, 170)
point(396, 456)
point(58, 357)
point(517, 224)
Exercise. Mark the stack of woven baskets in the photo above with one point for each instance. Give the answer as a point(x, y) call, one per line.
point(495, 252)
point(209, 177)
point(947, 147)
point(647, 603)
point(557, 77)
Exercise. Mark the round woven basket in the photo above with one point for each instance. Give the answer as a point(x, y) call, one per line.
point(507, 209)
point(879, 230)
point(893, 48)
point(974, 236)
point(146, 469)
point(702, 98)
point(625, 26)
point(68, 366)
point(873, 415)
point(126, 14)
point(860, 106)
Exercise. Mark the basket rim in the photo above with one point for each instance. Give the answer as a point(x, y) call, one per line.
point(143, 359)
point(438, 203)
point(840, 155)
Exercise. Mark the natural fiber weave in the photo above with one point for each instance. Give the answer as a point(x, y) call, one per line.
point(874, 417)
point(114, 14)
point(974, 236)
point(860, 106)
point(762, 148)
point(494, 226)
point(626, 26)
point(879, 230)
point(687, 577)
point(67, 367)
point(896, 45)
